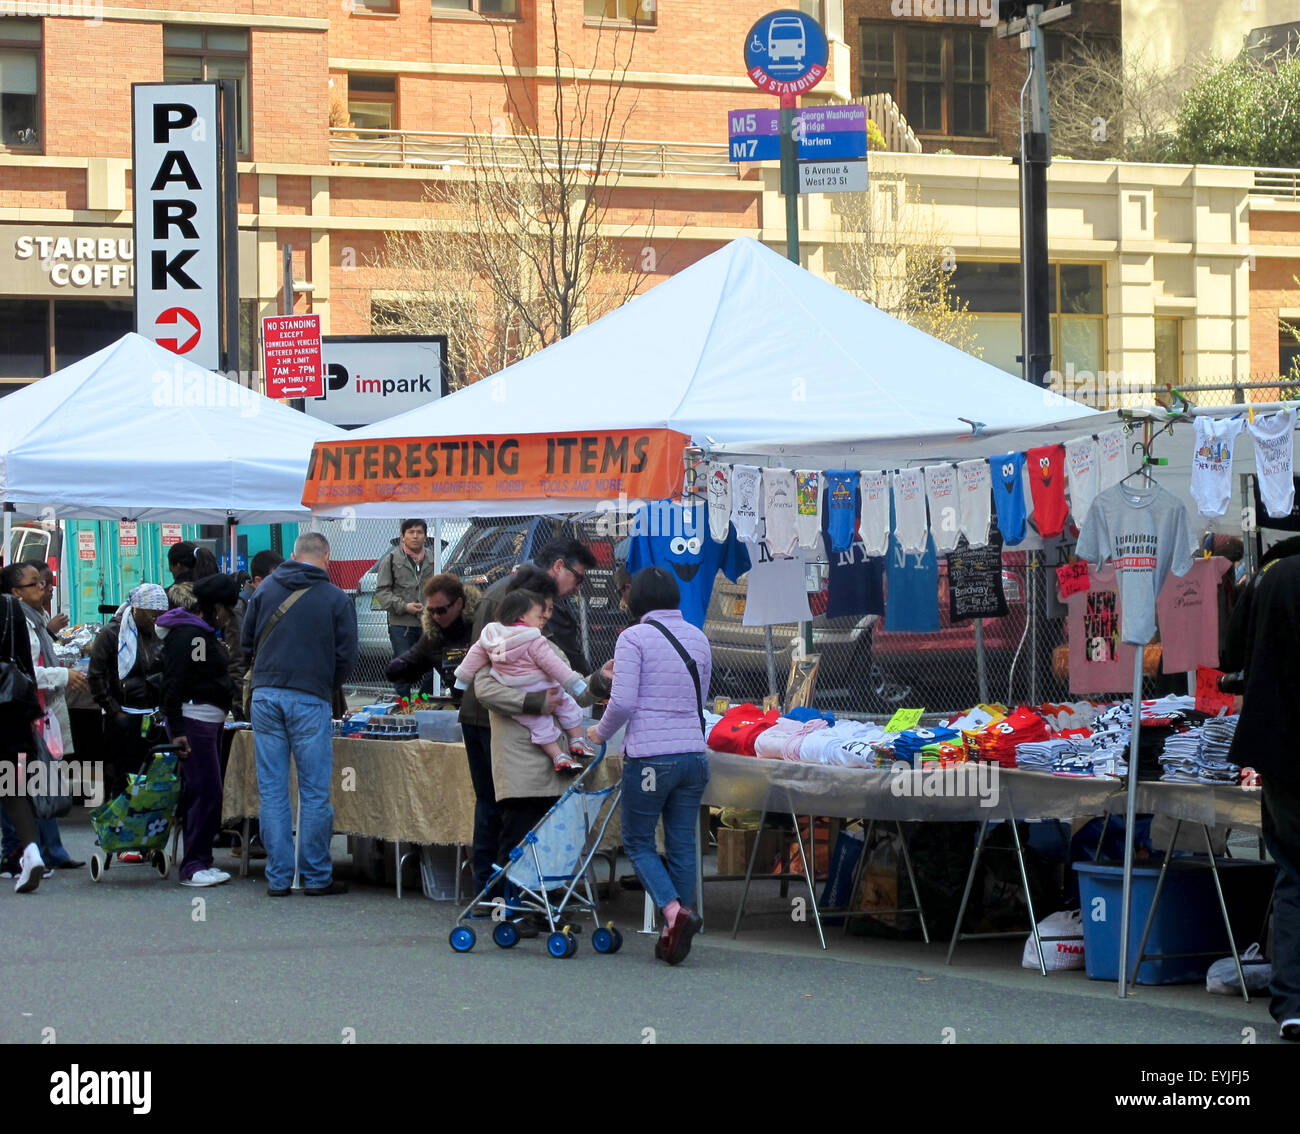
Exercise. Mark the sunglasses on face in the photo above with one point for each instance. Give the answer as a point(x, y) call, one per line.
point(437, 610)
point(579, 576)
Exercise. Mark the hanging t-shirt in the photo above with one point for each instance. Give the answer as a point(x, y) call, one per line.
point(941, 497)
point(909, 510)
point(777, 590)
point(974, 503)
point(874, 529)
point(856, 582)
point(1274, 460)
point(676, 537)
point(1212, 464)
point(1099, 660)
point(1144, 531)
point(842, 506)
point(779, 511)
point(1082, 458)
point(911, 590)
point(1009, 496)
point(808, 517)
point(717, 490)
point(1046, 466)
point(746, 497)
point(1112, 463)
point(1187, 611)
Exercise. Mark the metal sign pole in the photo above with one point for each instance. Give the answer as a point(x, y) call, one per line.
point(790, 176)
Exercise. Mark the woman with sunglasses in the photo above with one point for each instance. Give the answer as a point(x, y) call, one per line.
point(447, 623)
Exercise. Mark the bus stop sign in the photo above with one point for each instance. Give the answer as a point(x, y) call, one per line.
point(786, 53)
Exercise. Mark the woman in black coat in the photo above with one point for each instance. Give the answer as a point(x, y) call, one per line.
point(16, 717)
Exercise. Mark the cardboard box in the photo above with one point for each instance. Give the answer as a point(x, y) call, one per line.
point(735, 847)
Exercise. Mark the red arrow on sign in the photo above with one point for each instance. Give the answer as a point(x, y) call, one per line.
point(170, 317)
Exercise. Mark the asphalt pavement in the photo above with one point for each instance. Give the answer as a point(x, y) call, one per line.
point(138, 959)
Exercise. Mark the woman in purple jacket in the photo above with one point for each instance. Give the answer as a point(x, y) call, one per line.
point(661, 675)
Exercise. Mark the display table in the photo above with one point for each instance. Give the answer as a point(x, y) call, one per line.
point(415, 791)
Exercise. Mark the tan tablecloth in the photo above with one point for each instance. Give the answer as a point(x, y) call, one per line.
point(414, 791)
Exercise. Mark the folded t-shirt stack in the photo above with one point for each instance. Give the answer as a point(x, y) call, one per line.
point(739, 727)
point(908, 745)
point(847, 744)
point(1055, 753)
point(998, 740)
point(1180, 760)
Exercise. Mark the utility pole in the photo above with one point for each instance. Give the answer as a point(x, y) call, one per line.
point(1035, 157)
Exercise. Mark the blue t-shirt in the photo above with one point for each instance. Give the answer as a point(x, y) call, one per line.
point(856, 583)
point(841, 509)
point(675, 536)
point(1009, 495)
point(911, 586)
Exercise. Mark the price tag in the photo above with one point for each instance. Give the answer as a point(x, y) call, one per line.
point(770, 702)
point(721, 705)
point(1208, 698)
point(904, 719)
point(1073, 578)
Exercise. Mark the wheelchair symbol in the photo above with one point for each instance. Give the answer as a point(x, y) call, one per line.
point(758, 46)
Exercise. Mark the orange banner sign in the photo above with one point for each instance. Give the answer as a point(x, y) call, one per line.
point(638, 463)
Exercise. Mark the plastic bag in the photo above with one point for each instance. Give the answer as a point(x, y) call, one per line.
point(1057, 955)
point(1258, 971)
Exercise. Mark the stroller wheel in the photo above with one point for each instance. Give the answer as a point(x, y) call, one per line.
point(603, 940)
point(505, 934)
point(618, 939)
point(462, 939)
point(561, 945)
point(161, 861)
point(97, 866)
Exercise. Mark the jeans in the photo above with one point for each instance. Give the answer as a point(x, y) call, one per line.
point(48, 839)
point(404, 638)
point(487, 814)
point(1282, 837)
point(286, 720)
point(671, 786)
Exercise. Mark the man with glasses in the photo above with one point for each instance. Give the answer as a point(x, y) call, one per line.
point(447, 622)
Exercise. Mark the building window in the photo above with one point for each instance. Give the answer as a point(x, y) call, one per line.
point(375, 6)
point(939, 76)
point(482, 7)
point(991, 291)
point(39, 336)
point(372, 102)
point(623, 11)
point(20, 84)
point(1169, 352)
point(191, 54)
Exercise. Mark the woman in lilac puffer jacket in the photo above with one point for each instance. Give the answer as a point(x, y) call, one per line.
point(655, 693)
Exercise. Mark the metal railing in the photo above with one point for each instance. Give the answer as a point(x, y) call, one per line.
point(435, 150)
point(1283, 184)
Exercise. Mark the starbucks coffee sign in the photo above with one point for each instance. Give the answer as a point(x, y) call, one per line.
point(69, 260)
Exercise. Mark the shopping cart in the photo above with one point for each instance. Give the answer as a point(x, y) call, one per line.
point(555, 855)
point(143, 816)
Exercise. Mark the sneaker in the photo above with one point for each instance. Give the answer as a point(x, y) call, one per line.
point(566, 766)
point(1290, 1029)
point(580, 747)
point(31, 869)
point(205, 878)
point(9, 865)
point(220, 875)
point(131, 857)
point(334, 887)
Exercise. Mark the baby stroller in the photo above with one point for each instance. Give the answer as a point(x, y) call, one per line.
point(555, 854)
point(141, 818)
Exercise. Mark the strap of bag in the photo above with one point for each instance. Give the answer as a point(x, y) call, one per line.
point(280, 612)
point(690, 665)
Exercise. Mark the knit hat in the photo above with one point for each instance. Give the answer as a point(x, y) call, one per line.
point(214, 590)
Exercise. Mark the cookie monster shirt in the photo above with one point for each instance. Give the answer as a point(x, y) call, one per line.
point(676, 537)
point(1009, 496)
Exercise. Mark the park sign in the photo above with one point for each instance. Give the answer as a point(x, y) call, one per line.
point(643, 464)
point(786, 53)
point(184, 235)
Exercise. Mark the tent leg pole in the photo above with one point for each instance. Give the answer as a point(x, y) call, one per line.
point(771, 660)
point(1130, 820)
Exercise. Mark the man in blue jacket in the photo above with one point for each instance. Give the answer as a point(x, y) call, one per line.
point(301, 633)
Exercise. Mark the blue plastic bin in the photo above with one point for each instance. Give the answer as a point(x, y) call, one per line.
point(1188, 920)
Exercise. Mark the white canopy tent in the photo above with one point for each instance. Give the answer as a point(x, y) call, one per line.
point(136, 432)
point(747, 354)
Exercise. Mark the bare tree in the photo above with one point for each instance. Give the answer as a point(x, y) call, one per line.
point(1108, 104)
point(896, 256)
point(519, 250)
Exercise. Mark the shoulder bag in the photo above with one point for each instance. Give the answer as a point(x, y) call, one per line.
point(18, 698)
point(280, 612)
point(693, 669)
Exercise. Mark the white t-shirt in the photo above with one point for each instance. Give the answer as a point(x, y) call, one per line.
point(1082, 460)
point(777, 591)
point(779, 511)
point(975, 501)
point(1275, 460)
point(874, 515)
point(717, 488)
point(746, 496)
point(1212, 464)
point(808, 516)
point(909, 511)
point(941, 496)
point(1112, 466)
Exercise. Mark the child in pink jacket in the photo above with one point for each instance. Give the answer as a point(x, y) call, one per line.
point(520, 657)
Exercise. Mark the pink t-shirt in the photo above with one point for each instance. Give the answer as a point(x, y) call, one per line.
point(1187, 613)
point(1099, 661)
